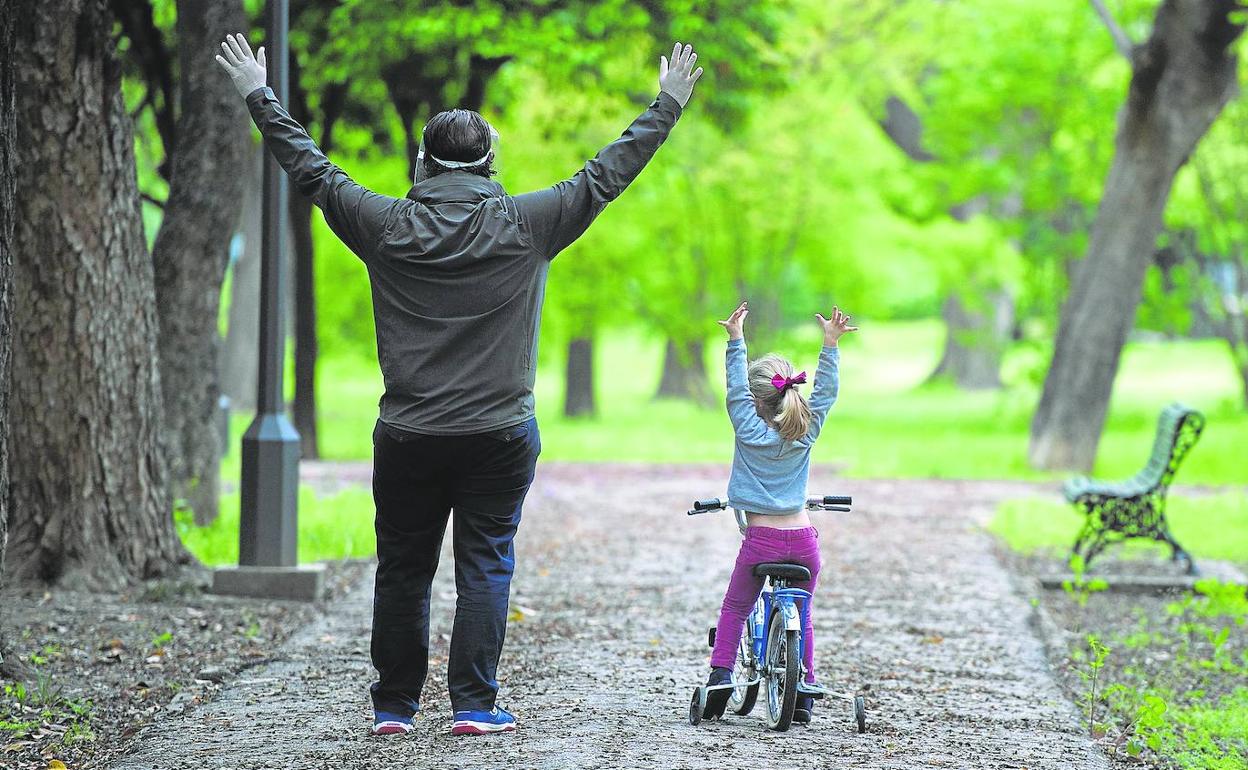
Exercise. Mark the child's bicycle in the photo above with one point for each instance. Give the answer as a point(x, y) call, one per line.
point(770, 652)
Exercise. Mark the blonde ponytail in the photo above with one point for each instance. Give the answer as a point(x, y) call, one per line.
point(786, 409)
point(793, 419)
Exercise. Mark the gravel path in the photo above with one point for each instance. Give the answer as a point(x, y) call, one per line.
point(618, 587)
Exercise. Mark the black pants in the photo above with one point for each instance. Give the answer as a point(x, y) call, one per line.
point(417, 480)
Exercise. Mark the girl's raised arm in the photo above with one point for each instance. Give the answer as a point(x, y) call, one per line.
point(746, 423)
point(827, 377)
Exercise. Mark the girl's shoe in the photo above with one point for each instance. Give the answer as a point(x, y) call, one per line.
point(717, 700)
point(387, 723)
point(804, 710)
point(496, 720)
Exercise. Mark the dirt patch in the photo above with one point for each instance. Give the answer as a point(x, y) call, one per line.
point(614, 592)
point(97, 668)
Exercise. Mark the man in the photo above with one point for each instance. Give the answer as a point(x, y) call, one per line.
point(458, 270)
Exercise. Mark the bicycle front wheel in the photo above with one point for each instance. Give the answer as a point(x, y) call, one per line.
point(784, 666)
point(744, 696)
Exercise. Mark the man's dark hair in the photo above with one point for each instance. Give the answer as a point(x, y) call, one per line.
point(457, 135)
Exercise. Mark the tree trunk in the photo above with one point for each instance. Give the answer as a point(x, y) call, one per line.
point(88, 487)
point(332, 101)
point(305, 326)
point(1182, 76)
point(240, 356)
point(684, 373)
point(1243, 379)
point(578, 396)
point(191, 250)
point(975, 341)
point(8, 142)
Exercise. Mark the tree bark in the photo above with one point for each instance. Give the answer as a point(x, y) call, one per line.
point(8, 141)
point(578, 396)
point(1182, 77)
point(89, 488)
point(191, 250)
point(975, 341)
point(684, 373)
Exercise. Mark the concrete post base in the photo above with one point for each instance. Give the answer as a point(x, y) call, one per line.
point(304, 583)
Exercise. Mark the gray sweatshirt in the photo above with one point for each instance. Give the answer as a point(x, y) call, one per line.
point(458, 268)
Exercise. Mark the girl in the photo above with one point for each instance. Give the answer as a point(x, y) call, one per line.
point(775, 429)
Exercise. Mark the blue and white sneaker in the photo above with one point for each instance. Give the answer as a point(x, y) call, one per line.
point(496, 720)
point(387, 723)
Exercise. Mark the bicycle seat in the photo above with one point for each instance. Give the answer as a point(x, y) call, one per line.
point(782, 571)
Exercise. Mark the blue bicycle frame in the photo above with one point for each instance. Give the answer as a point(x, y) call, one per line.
point(793, 605)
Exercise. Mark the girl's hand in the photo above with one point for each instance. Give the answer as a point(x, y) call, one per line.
point(834, 327)
point(735, 322)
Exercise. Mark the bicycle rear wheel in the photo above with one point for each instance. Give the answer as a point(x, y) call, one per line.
point(744, 697)
point(784, 666)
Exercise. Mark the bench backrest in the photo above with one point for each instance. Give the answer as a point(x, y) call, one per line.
point(1178, 428)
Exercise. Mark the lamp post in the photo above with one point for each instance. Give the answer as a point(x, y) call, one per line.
point(268, 555)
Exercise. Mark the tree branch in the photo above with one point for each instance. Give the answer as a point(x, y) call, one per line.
point(1121, 41)
point(155, 64)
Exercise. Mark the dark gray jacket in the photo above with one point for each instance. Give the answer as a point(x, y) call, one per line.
point(458, 268)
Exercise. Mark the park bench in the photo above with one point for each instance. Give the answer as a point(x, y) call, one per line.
point(1137, 507)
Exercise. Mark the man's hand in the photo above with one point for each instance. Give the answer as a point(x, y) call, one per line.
point(835, 326)
point(677, 80)
point(246, 71)
point(736, 322)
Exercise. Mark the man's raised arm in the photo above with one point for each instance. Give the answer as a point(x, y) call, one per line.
point(357, 215)
point(558, 215)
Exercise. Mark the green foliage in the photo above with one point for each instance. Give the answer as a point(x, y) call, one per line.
point(1080, 588)
point(26, 711)
point(1187, 704)
point(1093, 660)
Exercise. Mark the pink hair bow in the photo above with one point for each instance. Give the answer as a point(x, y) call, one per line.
point(780, 382)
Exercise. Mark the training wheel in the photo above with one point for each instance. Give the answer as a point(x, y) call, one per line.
point(695, 707)
point(860, 712)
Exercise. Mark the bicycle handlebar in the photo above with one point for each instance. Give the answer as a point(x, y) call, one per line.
point(706, 506)
point(839, 503)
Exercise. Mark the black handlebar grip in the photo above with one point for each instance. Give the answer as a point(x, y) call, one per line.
point(713, 504)
point(838, 500)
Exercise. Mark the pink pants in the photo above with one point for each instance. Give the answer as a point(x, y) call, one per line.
point(764, 544)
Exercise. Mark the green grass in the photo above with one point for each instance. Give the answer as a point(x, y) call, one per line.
point(331, 527)
point(887, 423)
point(1209, 526)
